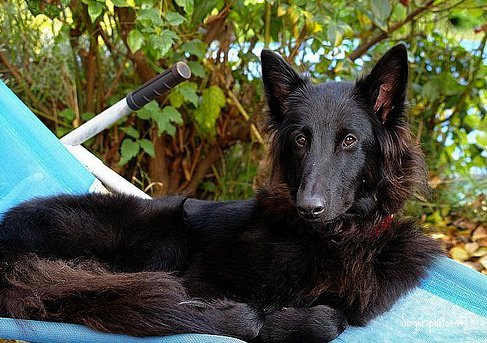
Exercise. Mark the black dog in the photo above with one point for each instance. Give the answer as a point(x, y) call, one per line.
point(317, 249)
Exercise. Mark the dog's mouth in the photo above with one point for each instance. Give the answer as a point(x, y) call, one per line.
point(308, 217)
point(313, 219)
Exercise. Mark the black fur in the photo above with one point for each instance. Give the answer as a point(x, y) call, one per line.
point(255, 269)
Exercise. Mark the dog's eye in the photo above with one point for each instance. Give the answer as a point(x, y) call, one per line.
point(349, 140)
point(301, 140)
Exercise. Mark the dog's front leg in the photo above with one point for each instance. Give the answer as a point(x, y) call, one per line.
point(315, 324)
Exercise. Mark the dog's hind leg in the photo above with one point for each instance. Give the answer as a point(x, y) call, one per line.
point(139, 304)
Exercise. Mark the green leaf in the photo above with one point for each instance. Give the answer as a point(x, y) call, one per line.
point(94, 10)
point(67, 113)
point(135, 39)
point(195, 47)
point(209, 186)
point(481, 139)
point(216, 93)
point(188, 91)
point(176, 99)
point(174, 18)
point(173, 114)
point(128, 150)
point(162, 43)
point(150, 17)
point(472, 120)
point(188, 5)
point(439, 85)
point(206, 115)
point(204, 7)
point(37, 7)
point(149, 111)
point(483, 125)
point(461, 137)
point(131, 132)
point(196, 69)
point(61, 131)
point(165, 118)
point(148, 147)
point(87, 116)
point(120, 3)
point(450, 86)
point(335, 34)
point(381, 9)
point(431, 90)
point(399, 12)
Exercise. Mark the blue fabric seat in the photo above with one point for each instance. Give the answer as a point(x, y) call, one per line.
point(449, 306)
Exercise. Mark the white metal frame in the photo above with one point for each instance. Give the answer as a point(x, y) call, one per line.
point(73, 140)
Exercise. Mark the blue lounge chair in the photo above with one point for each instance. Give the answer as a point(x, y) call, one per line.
point(449, 306)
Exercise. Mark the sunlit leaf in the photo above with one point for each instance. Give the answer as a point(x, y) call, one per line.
point(176, 99)
point(202, 8)
point(162, 43)
point(481, 139)
point(381, 9)
point(399, 12)
point(120, 3)
point(188, 5)
point(94, 10)
point(174, 18)
point(135, 39)
point(206, 115)
point(335, 34)
point(149, 17)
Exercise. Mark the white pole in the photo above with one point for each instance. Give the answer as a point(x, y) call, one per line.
point(108, 177)
point(97, 124)
point(134, 101)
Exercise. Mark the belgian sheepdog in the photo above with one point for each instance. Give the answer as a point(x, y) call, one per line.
point(320, 248)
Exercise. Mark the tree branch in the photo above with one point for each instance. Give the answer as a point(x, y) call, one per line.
point(210, 158)
point(25, 85)
point(365, 46)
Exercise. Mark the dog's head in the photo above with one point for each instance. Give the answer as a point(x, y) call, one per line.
point(342, 148)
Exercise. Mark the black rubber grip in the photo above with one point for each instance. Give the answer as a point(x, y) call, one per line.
point(158, 85)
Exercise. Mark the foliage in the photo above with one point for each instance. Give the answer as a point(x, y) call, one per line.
point(70, 59)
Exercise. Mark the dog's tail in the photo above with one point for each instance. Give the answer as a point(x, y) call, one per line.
point(138, 304)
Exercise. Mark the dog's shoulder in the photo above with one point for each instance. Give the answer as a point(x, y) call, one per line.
point(404, 256)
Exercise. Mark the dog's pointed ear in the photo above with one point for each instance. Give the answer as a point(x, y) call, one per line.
point(386, 85)
point(279, 79)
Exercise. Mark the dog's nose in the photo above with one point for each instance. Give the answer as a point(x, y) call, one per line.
point(311, 208)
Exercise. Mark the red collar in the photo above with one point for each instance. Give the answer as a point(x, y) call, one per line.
point(382, 226)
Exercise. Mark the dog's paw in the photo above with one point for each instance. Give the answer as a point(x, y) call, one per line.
point(324, 324)
point(317, 324)
point(236, 319)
